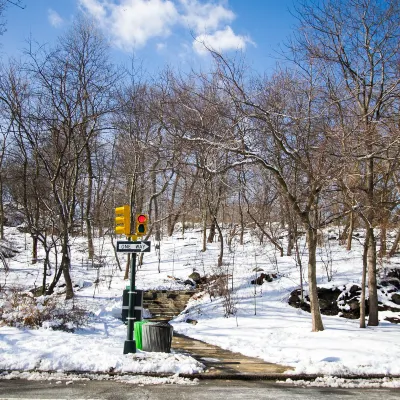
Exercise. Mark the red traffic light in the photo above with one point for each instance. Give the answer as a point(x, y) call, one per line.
point(141, 218)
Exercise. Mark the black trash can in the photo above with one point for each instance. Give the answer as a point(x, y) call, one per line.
point(157, 336)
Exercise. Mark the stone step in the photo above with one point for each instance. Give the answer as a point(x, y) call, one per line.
point(163, 311)
point(149, 295)
point(158, 319)
point(164, 316)
point(161, 300)
point(157, 312)
point(175, 309)
point(164, 305)
point(161, 307)
point(165, 302)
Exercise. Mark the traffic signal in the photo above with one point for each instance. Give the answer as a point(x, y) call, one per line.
point(123, 220)
point(141, 224)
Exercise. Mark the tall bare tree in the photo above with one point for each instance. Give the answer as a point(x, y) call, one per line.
point(356, 43)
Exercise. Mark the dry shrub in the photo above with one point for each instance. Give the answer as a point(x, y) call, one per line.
point(22, 309)
point(217, 286)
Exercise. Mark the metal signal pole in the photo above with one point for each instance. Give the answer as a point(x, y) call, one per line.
point(130, 344)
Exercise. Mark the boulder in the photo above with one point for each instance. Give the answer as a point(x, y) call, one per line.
point(392, 278)
point(396, 298)
point(195, 276)
point(295, 300)
point(394, 273)
point(390, 282)
point(393, 320)
point(190, 282)
point(260, 279)
point(7, 249)
point(331, 302)
point(328, 301)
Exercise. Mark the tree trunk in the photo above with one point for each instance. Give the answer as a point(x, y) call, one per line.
point(1, 210)
point(56, 279)
point(46, 266)
point(350, 231)
point(34, 249)
point(172, 217)
point(363, 283)
point(128, 262)
point(89, 202)
point(241, 222)
point(290, 241)
point(65, 266)
point(344, 235)
point(371, 252)
point(157, 228)
point(204, 229)
point(395, 244)
point(211, 234)
point(317, 324)
point(291, 229)
point(372, 285)
point(221, 245)
point(383, 248)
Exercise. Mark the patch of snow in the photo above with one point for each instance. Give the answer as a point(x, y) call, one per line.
point(69, 379)
point(335, 382)
point(263, 326)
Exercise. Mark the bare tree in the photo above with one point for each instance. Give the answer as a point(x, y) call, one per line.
point(355, 44)
point(57, 110)
point(277, 124)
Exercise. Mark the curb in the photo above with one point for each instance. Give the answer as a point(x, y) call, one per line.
point(280, 377)
point(238, 377)
point(109, 374)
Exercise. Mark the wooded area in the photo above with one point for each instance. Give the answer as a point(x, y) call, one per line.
point(313, 144)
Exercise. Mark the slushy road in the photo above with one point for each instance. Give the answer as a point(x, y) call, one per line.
point(209, 390)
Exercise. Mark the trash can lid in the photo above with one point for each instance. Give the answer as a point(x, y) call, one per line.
point(160, 324)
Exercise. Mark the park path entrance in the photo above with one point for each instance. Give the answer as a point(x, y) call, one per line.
point(223, 363)
point(164, 305)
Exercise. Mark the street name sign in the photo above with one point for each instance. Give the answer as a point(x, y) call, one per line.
point(133, 247)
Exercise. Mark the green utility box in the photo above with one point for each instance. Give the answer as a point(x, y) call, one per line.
point(138, 306)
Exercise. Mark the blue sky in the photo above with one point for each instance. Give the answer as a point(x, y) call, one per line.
point(160, 32)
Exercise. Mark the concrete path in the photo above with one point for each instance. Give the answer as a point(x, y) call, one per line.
point(222, 363)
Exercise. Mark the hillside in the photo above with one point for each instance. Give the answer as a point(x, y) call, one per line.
point(255, 320)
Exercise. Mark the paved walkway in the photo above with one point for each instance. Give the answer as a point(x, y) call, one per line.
point(220, 362)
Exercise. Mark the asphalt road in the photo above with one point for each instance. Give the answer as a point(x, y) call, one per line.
point(210, 390)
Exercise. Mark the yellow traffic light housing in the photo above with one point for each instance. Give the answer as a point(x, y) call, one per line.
point(123, 220)
point(141, 224)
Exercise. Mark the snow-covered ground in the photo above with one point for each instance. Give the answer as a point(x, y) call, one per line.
point(264, 325)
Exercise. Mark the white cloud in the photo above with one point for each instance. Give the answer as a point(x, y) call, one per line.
point(54, 18)
point(204, 17)
point(132, 23)
point(96, 8)
point(221, 40)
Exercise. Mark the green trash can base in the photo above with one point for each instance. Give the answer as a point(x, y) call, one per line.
point(138, 331)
